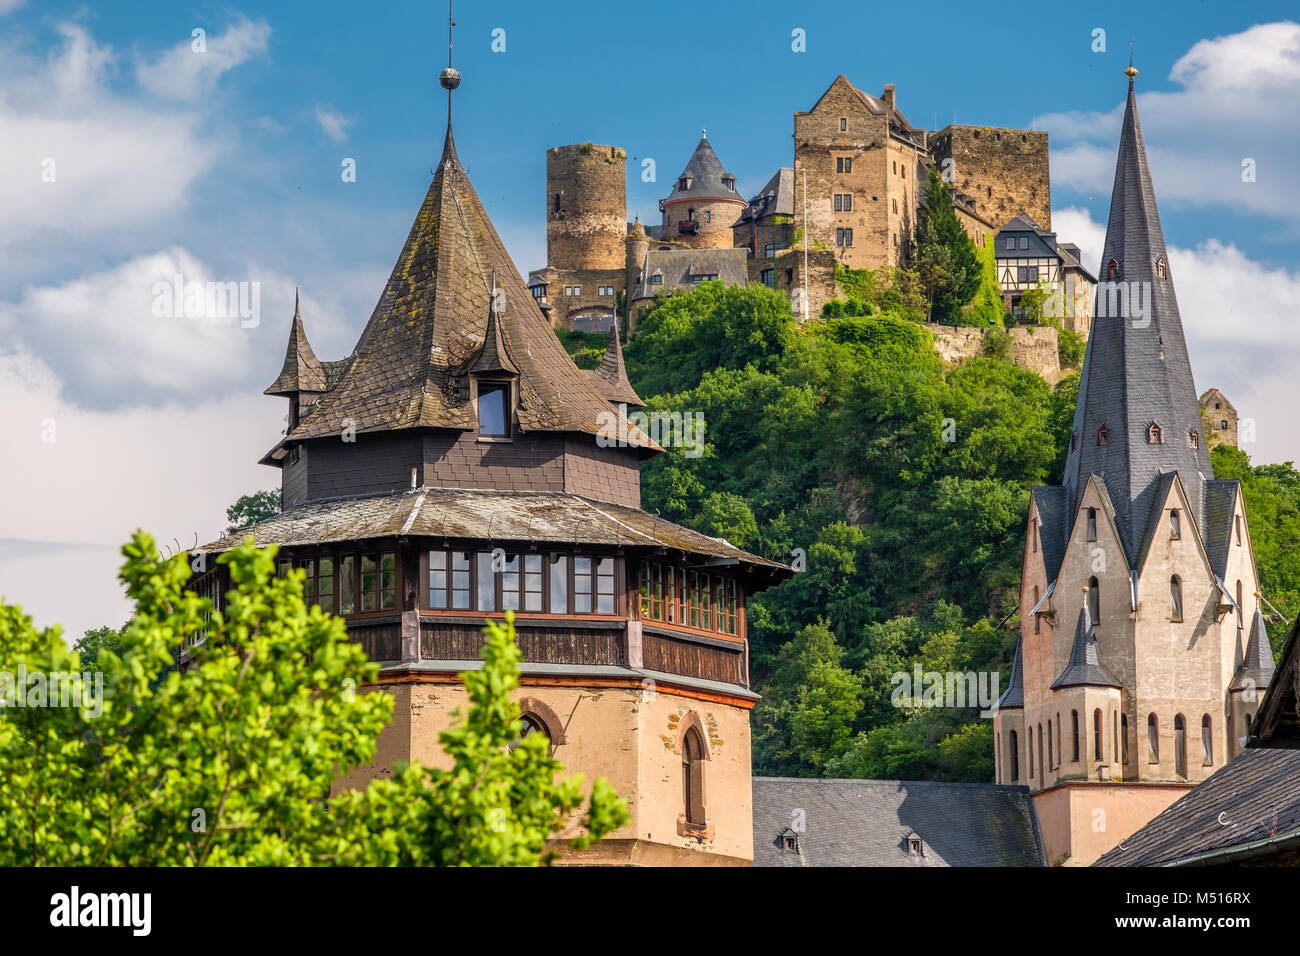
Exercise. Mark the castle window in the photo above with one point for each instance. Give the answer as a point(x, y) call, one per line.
point(903, 172)
point(308, 568)
point(1015, 757)
point(839, 203)
point(1112, 270)
point(730, 184)
point(790, 842)
point(1207, 742)
point(1096, 735)
point(347, 584)
point(1074, 721)
point(1011, 243)
point(528, 725)
point(1236, 522)
point(1103, 435)
point(1038, 618)
point(1123, 736)
point(493, 421)
point(1022, 273)
point(708, 215)
point(486, 590)
point(1024, 242)
point(895, 167)
point(1033, 535)
point(539, 292)
point(557, 202)
point(1033, 273)
point(1154, 434)
point(844, 123)
point(1175, 525)
point(559, 591)
point(769, 250)
point(568, 290)
point(1180, 745)
point(1223, 423)
point(1176, 599)
point(895, 202)
point(325, 585)
point(1092, 524)
point(1161, 271)
point(1042, 767)
point(577, 290)
point(1248, 725)
point(1153, 739)
point(1195, 438)
point(379, 581)
point(1030, 732)
point(693, 777)
point(1060, 751)
point(656, 279)
point(1051, 759)
point(1241, 612)
point(1114, 729)
point(1094, 601)
point(681, 183)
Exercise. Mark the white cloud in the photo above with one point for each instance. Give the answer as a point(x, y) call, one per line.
point(8, 6)
point(1234, 93)
point(78, 158)
point(171, 469)
point(116, 338)
point(1239, 321)
point(269, 125)
point(187, 72)
point(334, 123)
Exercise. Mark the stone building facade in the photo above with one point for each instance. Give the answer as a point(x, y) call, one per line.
point(1220, 418)
point(1140, 662)
point(1005, 171)
point(1029, 257)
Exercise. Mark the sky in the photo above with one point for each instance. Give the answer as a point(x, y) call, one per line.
point(141, 141)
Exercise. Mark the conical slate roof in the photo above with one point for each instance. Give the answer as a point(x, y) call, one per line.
point(610, 376)
point(1136, 372)
point(1085, 667)
point(1014, 695)
point(1256, 668)
point(411, 365)
point(704, 174)
point(302, 371)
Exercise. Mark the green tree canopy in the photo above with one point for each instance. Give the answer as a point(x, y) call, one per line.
point(945, 258)
point(250, 509)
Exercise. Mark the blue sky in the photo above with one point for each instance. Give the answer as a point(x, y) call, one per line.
point(226, 165)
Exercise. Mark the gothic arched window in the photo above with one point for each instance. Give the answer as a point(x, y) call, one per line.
point(1051, 756)
point(1123, 736)
point(693, 777)
point(1112, 270)
point(1154, 435)
point(1180, 745)
point(1015, 757)
point(1175, 599)
point(1103, 435)
point(1074, 718)
point(1153, 739)
point(1161, 271)
point(1092, 524)
point(1207, 742)
point(1094, 601)
point(1195, 438)
point(1096, 735)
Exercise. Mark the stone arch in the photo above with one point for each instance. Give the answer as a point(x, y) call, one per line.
point(692, 719)
point(543, 714)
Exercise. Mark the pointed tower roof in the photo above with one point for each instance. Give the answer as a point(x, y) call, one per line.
point(1257, 665)
point(704, 175)
point(1014, 695)
point(433, 325)
point(302, 371)
point(1136, 371)
point(610, 376)
point(1084, 668)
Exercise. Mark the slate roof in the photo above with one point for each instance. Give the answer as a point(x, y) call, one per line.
point(678, 265)
point(776, 198)
point(706, 173)
point(1136, 370)
point(1084, 667)
point(1258, 794)
point(1014, 695)
point(867, 823)
point(1256, 667)
point(610, 376)
point(410, 366)
point(302, 371)
point(1054, 519)
point(454, 513)
point(1277, 724)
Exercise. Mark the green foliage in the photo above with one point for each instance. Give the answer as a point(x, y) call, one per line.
point(709, 327)
point(91, 644)
point(880, 332)
point(837, 308)
point(576, 341)
point(1071, 349)
point(1034, 306)
point(232, 761)
point(250, 509)
point(998, 345)
point(946, 258)
point(1272, 494)
point(986, 309)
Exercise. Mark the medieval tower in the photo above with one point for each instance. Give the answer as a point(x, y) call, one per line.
point(1142, 654)
point(699, 211)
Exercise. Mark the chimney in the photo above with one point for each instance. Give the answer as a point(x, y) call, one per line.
point(889, 94)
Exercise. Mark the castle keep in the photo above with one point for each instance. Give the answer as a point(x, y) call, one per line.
point(452, 468)
point(1142, 657)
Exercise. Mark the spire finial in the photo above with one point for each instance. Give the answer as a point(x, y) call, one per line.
point(1131, 71)
point(704, 133)
point(295, 303)
point(450, 77)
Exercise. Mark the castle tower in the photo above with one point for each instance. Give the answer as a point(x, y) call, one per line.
point(703, 204)
point(1145, 552)
point(638, 244)
point(586, 207)
point(459, 465)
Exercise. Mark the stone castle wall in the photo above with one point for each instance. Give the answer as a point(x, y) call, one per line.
point(1032, 347)
point(586, 207)
point(1004, 170)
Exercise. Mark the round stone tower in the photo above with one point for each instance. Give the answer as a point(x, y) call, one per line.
point(586, 207)
point(638, 244)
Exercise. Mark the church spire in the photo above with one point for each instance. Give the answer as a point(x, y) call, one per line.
point(1137, 417)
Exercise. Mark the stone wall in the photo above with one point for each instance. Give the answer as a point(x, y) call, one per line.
point(1004, 170)
point(1032, 347)
point(586, 207)
point(714, 218)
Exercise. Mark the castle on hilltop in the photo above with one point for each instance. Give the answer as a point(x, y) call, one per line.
point(856, 181)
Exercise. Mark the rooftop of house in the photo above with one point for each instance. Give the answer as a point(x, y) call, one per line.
point(704, 178)
point(776, 198)
point(682, 268)
point(829, 822)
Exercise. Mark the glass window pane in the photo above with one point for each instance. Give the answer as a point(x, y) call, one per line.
point(533, 582)
point(510, 583)
point(347, 584)
point(460, 580)
point(486, 587)
point(582, 585)
point(559, 584)
point(369, 583)
point(491, 409)
point(388, 580)
point(605, 586)
point(325, 584)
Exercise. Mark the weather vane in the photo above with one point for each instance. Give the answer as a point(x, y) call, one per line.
point(1131, 71)
point(450, 77)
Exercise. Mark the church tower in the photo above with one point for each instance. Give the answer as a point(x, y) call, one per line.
point(1142, 654)
point(457, 465)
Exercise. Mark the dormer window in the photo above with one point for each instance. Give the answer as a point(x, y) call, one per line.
point(730, 183)
point(493, 405)
point(1154, 435)
point(1161, 270)
point(915, 845)
point(1194, 438)
point(1073, 437)
point(1112, 270)
point(1103, 435)
point(790, 842)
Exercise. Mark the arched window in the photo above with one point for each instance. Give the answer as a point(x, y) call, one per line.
point(1248, 725)
point(693, 777)
point(1103, 435)
point(999, 756)
point(1194, 438)
point(1037, 617)
point(1094, 601)
point(1153, 739)
point(1112, 270)
point(1114, 729)
point(1175, 524)
point(1175, 599)
point(1092, 524)
point(529, 725)
point(1180, 745)
point(1041, 766)
point(1030, 731)
point(1207, 742)
point(1074, 718)
point(1154, 435)
point(1161, 270)
point(1051, 754)
point(1241, 611)
point(1096, 735)
point(1123, 737)
point(1060, 753)
point(1073, 435)
point(1015, 757)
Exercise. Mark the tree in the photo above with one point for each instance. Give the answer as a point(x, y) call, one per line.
point(99, 639)
point(945, 255)
point(232, 762)
point(250, 509)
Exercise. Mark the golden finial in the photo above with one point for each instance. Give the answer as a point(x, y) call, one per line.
point(1132, 70)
